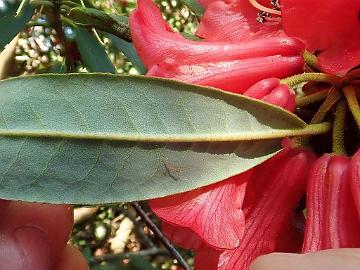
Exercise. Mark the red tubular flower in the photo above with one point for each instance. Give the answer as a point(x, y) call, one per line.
point(234, 76)
point(272, 195)
point(212, 212)
point(355, 179)
point(331, 217)
point(271, 91)
point(229, 66)
point(332, 30)
point(236, 20)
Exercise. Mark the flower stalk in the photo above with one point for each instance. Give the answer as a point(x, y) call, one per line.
point(310, 59)
point(350, 94)
point(338, 145)
point(306, 100)
point(333, 96)
point(312, 76)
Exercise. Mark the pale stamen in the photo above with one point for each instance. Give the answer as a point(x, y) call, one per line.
point(255, 4)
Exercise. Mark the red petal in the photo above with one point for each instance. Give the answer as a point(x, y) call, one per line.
point(156, 44)
point(355, 179)
point(235, 21)
point(332, 29)
point(332, 221)
point(207, 259)
point(235, 76)
point(292, 235)
point(271, 211)
point(213, 212)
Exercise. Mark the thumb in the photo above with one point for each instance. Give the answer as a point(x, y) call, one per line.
point(331, 259)
point(25, 248)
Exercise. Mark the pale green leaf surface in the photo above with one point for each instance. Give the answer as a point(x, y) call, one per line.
point(88, 139)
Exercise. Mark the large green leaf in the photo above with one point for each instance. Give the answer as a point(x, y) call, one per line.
point(96, 138)
point(92, 52)
point(10, 24)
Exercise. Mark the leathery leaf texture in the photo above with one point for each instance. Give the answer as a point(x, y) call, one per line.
point(97, 138)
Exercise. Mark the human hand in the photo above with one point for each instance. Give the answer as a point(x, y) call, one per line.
point(34, 236)
point(331, 259)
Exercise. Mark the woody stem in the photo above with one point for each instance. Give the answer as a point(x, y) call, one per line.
point(306, 100)
point(161, 236)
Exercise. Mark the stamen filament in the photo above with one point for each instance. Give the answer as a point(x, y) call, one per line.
point(263, 8)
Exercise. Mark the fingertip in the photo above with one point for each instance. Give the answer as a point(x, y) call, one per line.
point(276, 261)
point(3, 205)
point(72, 259)
point(54, 220)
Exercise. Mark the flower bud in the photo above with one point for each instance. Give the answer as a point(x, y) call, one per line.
point(273, 92)
point(355, 179)
point(331, 217)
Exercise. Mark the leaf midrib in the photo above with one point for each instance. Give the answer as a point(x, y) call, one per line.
point(166, 138)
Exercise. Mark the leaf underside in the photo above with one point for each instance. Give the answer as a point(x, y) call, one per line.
point(96, 138)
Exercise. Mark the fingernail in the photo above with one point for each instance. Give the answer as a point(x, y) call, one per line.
point(34, 248)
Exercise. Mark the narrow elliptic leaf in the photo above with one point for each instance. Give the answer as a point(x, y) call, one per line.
point(8, 8)
point(10, 24)
point(97, 138)
point(92, 52)
point(91, 17)
point(128, 50)
point(194, 6)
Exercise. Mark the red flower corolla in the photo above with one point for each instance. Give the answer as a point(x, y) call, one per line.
point(355, 179)
point(213, 212)
point(331, 217)
point(237, 20)
point(228, 66)
point(273, 193)
point(329, 28)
